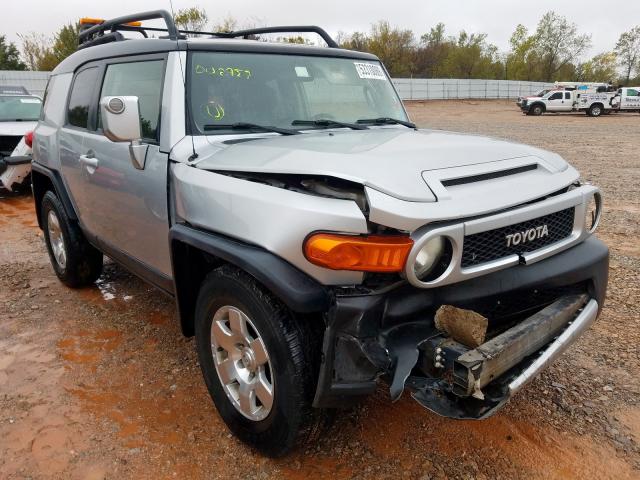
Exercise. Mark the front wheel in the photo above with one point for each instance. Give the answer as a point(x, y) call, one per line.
point(536, 110)
point(260, 363)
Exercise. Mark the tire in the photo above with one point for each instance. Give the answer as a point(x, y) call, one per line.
point(595, 110)
point(292, 349)
point(536, 110)
point(76, 262)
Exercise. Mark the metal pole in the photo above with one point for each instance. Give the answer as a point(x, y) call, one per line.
point(411, 87)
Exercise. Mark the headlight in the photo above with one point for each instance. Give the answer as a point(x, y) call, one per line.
point(592, 212)
point(428, 256)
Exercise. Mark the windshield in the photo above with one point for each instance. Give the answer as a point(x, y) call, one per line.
point(19, 108)
point(286, 90)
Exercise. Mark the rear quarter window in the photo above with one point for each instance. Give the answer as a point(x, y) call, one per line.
point(81, 97)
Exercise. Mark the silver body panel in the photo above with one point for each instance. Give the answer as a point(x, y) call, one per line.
point(275, 219)
point(126, 208)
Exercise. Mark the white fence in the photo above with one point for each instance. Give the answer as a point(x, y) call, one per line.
point(34, 82)
point(446, 89)
point(408, 88)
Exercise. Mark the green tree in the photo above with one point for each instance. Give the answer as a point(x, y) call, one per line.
point(192, 18)
point(45, 53)
point(432, 52)
point(358, 41)
point(628, 50)
point(228, 24)
point(9, 56)
point(298, 39)
point(522, 62)
point(601, 68)
point(36, 51)
point(558, 44)
point(392, 45)
point(471, 57)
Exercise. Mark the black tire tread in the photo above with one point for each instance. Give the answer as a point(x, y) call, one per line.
point(84, 261)
point(303, 339)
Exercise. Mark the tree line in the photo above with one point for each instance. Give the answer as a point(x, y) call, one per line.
point(555, 50)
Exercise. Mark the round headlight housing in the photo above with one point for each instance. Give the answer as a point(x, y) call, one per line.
point(428, 257)
point(592, 213)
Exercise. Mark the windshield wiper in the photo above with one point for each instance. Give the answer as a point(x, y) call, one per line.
point(326, 123)
point(387, 121)
point(251, 126)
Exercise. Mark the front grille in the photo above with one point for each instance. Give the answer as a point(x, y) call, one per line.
point(493, 244)
point(8, 143)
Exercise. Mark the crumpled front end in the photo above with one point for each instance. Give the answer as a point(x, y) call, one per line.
point(462, 369)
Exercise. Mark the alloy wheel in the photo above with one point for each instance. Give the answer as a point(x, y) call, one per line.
point(56, 239)
point(242, 363)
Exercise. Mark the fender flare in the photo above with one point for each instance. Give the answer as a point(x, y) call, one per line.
point(39, 188)
point(544, 107)
point(297, 290)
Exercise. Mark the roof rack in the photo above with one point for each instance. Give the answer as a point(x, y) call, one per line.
point(297, 29)
point(95, 31)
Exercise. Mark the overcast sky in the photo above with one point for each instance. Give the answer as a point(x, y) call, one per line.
point(498, 18)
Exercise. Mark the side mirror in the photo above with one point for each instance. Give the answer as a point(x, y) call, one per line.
point(121, 123)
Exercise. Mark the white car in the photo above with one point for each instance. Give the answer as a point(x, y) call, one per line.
point(19, 113)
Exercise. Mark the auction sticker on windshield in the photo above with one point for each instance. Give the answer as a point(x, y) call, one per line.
point(370, 70)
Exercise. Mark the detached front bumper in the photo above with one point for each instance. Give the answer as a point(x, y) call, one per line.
point(534, 312)
point(13, 170)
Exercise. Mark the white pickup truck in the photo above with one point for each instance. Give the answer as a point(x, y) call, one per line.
point(626, 100)
point(594, 102)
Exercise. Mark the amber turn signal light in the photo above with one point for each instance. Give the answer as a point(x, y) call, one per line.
point(373, 253)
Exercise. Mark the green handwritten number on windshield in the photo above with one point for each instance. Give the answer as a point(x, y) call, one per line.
point(233, 72)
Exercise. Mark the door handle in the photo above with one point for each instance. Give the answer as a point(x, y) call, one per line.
point(89, 160)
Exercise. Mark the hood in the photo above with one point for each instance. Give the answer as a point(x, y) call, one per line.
point(390, 160)
point(16, 128)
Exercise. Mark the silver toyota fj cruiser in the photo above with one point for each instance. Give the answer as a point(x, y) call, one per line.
point(315, 241)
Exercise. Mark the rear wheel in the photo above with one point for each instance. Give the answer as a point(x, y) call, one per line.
point(259, 362)
point(76, 262)
point(595, 110)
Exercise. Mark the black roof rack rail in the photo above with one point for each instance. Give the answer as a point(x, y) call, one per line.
point(96, 32)
point(285, 29)
point(94, 35)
